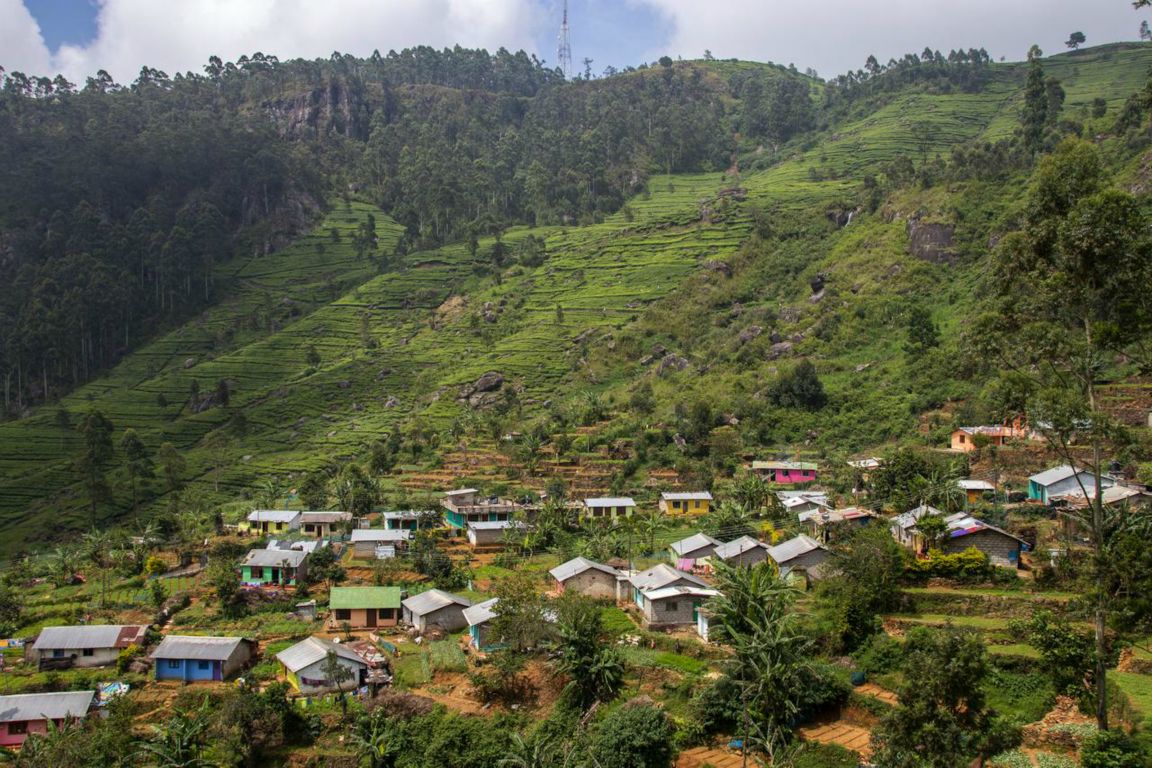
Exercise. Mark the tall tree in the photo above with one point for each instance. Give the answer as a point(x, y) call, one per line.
point(98, 451)
point(137, 462)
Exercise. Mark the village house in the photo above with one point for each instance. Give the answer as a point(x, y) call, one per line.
point(687, 551)
point(801, 503)
point(479, 618)
point(685, 504)
point(975, 490)
point(305, 666)
point(265, 521)
point(585, 577)
point(307, 546)
point(194, 658)
point(742, 552)
point(786, 472)
point(323, 525)
point(673, 606)
point(436, 608)
point(490, 535)
point(657, 577)
point(465, 505)
point(378, 543)
point(1059, 481)
point(963, 532)
point(966, 439)
point(608, 507)
point(411, 519)
point(1117, 495)
point(25, 714)
point(825, 525)
point(276, 567)
point(92, 645)
point(800, 555)
point(364, 607)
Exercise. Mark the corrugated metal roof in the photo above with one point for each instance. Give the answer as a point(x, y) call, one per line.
point(380, 534)
point(433, 600)
point(481, 612)
point(739, 546)
point(197, 648)
point(347, 598)
point(45, 706)
point(909, 518)
point(495, 525)
point(694, 542)
point(976, 485)
point(826, 516)
point(272, 516)
point(578, 565)
point(785, 465)
point(681, 591)
point(793, 548)
point(274, 558)
point(798, 501)
point(311, 650)
point(1054, 475)
point(283, 545)
point(93, 636)
point(610, 501)
point(325, 517)
point(661, 576)
point(688, 496)
point(460, 492)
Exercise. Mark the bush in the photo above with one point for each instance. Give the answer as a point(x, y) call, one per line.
point(634, 736)
point(880, 655)
point(127, 656)
point(1111, 749)
point(969, 566)
point(825, 756)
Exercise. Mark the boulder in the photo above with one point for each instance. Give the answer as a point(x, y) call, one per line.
point(672, 362)
point(779, 350)
point(749, 333)
point(931, 242)
point(722, 267)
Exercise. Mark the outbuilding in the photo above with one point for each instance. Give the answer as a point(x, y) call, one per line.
point(479, 618)
point(379, 544)
point(490, 534)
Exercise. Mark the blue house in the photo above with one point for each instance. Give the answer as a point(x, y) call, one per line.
point(1058, 481)
point(201, 659)
point(479, 619)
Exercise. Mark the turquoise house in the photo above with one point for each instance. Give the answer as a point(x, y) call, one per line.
point(277, 567)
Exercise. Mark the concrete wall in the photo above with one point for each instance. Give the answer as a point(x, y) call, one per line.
point(16, 739)
point(101, 657)
point(670, 610)
point(592, 583)
point(695, 554)
point(451, 618)
point(807, 560)
point(188, 670)
point(1002, 550)
point(358, 617)
point(311, 679)
point(485, 537)
point(749, 558)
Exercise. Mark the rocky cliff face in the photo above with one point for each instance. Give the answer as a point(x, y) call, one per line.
point(334, 108)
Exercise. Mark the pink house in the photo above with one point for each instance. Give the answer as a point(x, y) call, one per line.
point(28, 713)
point(786, 472)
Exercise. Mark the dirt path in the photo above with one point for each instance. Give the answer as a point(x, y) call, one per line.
point(850, 737)
point(701, 756)
point(876, 692)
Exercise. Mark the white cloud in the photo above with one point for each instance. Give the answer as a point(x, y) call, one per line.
point(21, 44)
point(837, 35)
point(180, 35)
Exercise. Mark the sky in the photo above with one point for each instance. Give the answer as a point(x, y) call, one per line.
point(79, 37)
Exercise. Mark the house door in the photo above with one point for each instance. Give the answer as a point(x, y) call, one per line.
point(370, 620)
point(695, 612)
point(217, 671)
point(275, 575)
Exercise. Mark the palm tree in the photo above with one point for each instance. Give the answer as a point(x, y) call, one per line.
point(373, 741)
point(268, 492)
point(649, 524)
point(97, 550)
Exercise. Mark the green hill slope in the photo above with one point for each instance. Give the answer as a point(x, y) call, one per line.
point(715, 272)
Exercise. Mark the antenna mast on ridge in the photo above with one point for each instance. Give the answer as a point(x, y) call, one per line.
point(564, 46)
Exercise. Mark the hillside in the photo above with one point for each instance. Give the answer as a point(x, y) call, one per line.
point(704, 287)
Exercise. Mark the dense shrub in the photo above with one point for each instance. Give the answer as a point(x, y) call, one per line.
point(970, 566)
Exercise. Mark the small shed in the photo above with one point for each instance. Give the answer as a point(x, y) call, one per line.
point(975, 490)
point(479, 618)
point(194, 658)
point(364, 607)
point(305, 666)
point(436, 607)
point(490, 534)
point(411, 519)
point(93, 645)
point(827, 524)
point(586, 577)
point(379, 544)
point(25, 714)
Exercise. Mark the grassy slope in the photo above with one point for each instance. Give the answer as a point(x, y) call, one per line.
point(634, 280)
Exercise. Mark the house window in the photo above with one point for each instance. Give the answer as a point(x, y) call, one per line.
point(202, 666)
point(669, 607)
point(962, 441)
point(257, 573)
point(173, 663)
point(88, 651)
point(343, 614)
point(17, 728)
